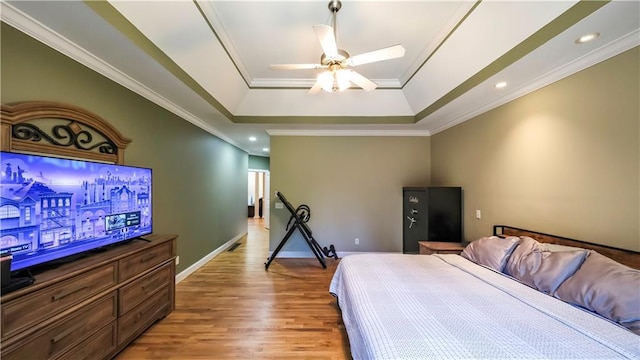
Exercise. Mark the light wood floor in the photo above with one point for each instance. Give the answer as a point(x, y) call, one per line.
point(232, 308)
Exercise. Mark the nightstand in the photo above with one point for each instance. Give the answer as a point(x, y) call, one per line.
point(440, 247)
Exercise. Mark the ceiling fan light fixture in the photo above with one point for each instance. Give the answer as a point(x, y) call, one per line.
point(334, 80)
point(342, 79)
point(326, 81)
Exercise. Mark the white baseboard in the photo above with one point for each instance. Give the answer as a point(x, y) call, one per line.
point(198, 264)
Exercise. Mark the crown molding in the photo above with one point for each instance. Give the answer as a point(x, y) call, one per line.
point(462, 11)
point(273, 82)
point(307, 83)
point(211, 16)
point(596, 56)
point(38, 31)
point(278, 132)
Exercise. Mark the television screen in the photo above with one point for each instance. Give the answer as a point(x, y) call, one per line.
point(52, 208)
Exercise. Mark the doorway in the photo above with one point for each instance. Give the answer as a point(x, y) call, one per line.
point(258, 199)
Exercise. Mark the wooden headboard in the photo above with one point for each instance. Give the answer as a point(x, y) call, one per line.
point(627, 257)
point(60, 129)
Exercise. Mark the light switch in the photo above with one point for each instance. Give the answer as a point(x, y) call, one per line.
point(478, 214)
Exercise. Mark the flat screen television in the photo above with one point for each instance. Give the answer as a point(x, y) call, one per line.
point(52, 209)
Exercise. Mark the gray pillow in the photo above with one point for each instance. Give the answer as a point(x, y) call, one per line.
point(525, 246)
point(546, 271)
point(534, 265)
point(560, 248)
point(491, 251)
point(607, 288)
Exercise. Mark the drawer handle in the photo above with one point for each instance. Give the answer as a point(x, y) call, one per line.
point(66, 333)
point(149, 286)
point(62, 296)
point(147, 258)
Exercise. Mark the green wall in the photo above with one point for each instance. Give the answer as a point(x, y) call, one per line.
point(200, 181)
point(353, 186)
point(258, 162)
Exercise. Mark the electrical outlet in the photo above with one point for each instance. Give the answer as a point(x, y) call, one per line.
point(279, 205)
point(478, 214)
point(177, 260)
point(357, 241)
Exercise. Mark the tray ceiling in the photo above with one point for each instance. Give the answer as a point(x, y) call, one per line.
point(208, 61)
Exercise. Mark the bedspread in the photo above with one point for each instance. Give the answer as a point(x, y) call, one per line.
point(397, 306)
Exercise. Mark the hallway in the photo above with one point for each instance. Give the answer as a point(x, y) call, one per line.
point(232, 308)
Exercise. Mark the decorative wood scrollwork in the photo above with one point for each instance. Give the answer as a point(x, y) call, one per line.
point(63, 135)
point(60, 129)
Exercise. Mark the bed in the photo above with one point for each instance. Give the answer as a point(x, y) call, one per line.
point(446, 306)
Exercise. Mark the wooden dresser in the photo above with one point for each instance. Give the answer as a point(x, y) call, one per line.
point(93, 307)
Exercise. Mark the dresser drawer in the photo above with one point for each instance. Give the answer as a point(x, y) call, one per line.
point(96, 347)
point(22, 313)
point(144, 315)
point(138, 263)
point(65, 333)
point(140, 290)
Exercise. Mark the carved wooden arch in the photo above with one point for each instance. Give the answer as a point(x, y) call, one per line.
point(60, 129)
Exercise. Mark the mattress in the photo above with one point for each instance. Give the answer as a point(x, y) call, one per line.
point(397, 306)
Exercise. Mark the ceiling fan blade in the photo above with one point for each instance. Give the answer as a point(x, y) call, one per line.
point(315, 88)
point(296, 66)
point(361, 81)
point(388, 53)
point(327, 40)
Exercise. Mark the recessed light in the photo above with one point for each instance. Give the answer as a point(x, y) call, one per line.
point(265, 149)
point(253, 138)
point(501, 84)
point(586, 38)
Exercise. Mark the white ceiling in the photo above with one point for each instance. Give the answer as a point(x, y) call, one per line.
point(208, 61)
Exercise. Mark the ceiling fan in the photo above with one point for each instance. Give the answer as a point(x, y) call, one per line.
point(338, 76)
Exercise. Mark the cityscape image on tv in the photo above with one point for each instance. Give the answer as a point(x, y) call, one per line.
point(52, 208)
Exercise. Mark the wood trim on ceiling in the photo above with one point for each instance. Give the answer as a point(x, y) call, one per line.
point(381, 133)
point(569, 18)
point(118, 21)
point(386, 87)
point(442, 42)
point(333, 120)
point(226, 51)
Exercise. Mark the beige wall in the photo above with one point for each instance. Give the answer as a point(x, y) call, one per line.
point(563, 160)
point(352, 184)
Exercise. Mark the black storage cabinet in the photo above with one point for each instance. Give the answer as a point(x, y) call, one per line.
point(430, 214)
